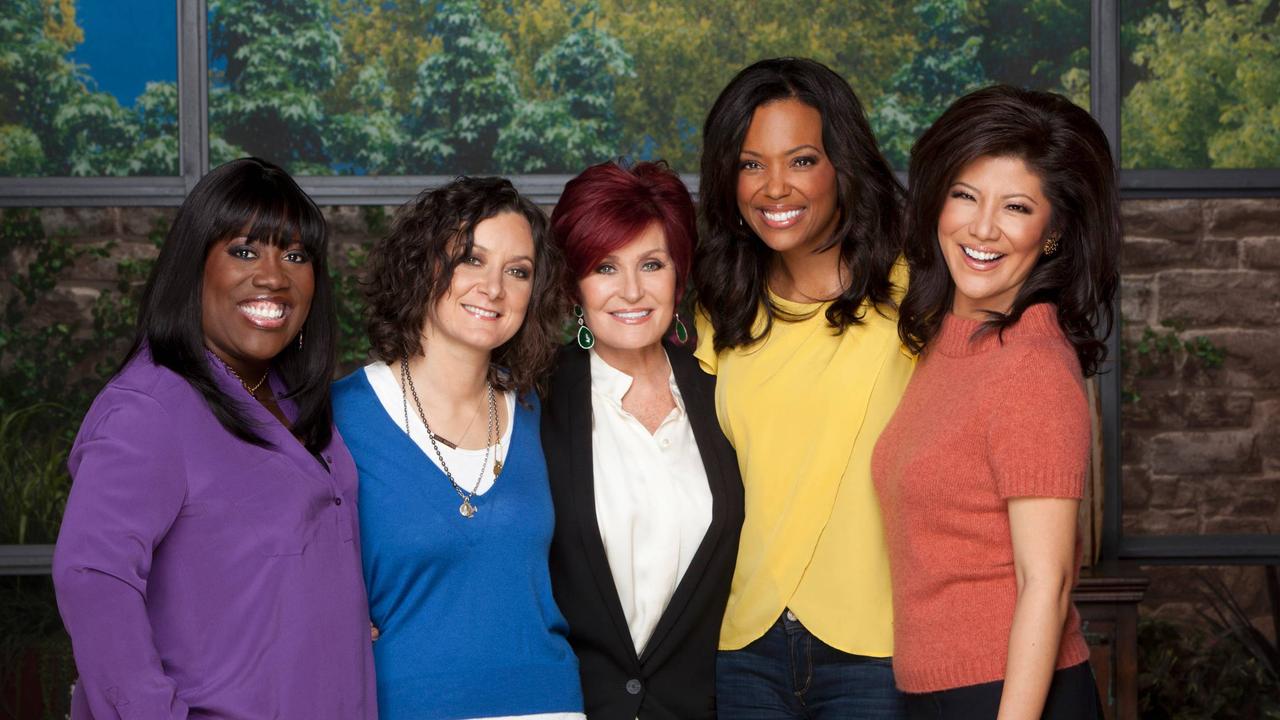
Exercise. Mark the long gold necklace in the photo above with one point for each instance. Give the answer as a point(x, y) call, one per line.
point(467, 509)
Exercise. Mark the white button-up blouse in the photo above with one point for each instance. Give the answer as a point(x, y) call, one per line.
point(653, 502)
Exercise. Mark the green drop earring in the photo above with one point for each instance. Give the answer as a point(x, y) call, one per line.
point(586, 339)
point(682, 333)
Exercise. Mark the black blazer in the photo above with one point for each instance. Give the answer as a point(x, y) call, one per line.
point(675, 677)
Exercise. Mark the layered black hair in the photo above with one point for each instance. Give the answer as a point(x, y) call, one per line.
point(253, 197)
point(731, 266)
point(1063, 146)
point(411, 268)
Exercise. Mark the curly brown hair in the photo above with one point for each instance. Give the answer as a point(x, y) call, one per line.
point(411, 268)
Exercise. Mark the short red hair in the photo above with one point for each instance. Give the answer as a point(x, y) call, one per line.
point(608, 206)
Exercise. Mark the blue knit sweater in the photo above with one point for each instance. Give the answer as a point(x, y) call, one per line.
point(469, 626)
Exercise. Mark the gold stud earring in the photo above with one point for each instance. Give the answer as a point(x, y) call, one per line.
point(1051, 243)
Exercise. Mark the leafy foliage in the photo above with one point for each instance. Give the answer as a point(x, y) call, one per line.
point(425, 86)
point(552, 85)
point(576, 125)
point(945, 67)
point(42, 359)
point(464, 95)
point(53, 121)
point(1165, 350)
point(1209, 93)
point(1226, 669)
point(276, 59)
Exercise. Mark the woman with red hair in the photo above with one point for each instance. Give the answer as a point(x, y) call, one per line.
point(646, 488)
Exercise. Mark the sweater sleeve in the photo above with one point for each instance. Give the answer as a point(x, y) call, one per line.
point(1039, 437)
point(128, 487)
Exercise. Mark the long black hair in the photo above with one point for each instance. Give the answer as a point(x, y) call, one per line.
point(731, 265)
point(257, 195)
point(1063, 146)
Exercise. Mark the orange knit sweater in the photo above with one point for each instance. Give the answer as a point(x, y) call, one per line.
point(981, 422)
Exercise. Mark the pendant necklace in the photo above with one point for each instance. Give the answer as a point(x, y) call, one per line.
point(467, 509)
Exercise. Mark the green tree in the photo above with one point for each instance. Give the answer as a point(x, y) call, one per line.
point(574, 124)
point(273, 64)
point(156, 153)
point(369, 137)
point(99, 135)
point(1040, 44)
point(385, 37)
point(52, 121)
point(35, 80)
point(687, 52)
point(464, 95)
point(945, 67)
point(1210, 89)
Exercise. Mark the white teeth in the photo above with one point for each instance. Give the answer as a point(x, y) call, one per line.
point(782, 216)
point(264, 310)
point(480, 312)
point(979, 255)
point(635, 315)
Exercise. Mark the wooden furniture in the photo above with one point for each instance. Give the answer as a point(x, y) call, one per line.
point(1107, 597)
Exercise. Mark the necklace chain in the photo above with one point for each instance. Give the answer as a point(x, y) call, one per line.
point(253, 389)
point(467, 509)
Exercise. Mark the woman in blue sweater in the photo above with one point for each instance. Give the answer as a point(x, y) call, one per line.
point(455, 512)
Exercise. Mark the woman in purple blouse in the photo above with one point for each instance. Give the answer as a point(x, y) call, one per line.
point(208, 563)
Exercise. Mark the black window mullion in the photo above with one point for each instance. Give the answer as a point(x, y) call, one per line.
point(1104, 99)
point(193, 91)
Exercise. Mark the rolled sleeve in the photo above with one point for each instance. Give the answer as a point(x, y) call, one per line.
point(128, 487)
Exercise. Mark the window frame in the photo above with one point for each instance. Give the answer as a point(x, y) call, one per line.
point(1105, 100)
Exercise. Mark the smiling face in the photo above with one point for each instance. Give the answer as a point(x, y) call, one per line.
point(786, 182)
point(991, 232)
point(629, 296)
point(253, 301)
point(489, 291)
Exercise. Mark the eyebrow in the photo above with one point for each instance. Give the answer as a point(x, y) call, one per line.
point(792, 151)
point(613, 257)
point(477, 246)
point(1004, 197)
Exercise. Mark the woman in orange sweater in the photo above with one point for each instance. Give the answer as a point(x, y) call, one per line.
point(1012, 237)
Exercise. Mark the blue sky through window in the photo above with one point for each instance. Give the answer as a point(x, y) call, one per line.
point(128, 43)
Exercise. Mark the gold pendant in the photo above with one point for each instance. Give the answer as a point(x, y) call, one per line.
point(497, 468)
point(467, 510)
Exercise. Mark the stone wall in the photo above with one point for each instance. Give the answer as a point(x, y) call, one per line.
point(1201, 440)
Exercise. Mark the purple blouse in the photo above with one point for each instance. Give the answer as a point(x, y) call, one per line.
point(202, 576)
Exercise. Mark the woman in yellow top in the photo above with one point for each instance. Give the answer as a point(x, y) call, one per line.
point(797, 280)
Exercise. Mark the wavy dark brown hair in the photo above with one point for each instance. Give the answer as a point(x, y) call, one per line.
point(731, 264)
point(411, 268)
point(1064, 146)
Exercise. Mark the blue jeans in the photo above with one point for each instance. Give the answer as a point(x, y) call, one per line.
point(788, 673)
